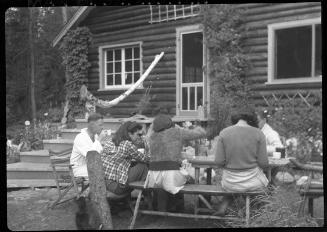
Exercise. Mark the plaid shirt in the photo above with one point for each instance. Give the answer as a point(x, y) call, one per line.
point(117, 160)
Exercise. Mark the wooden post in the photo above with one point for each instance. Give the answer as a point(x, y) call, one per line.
point(98, 188)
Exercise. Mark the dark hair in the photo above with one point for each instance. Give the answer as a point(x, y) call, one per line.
point(247, 114)
point(93, 117)
point(263, 114)
point(122, 132)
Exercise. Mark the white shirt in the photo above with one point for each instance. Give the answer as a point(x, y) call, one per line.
point(83, 144)
point(272, 139)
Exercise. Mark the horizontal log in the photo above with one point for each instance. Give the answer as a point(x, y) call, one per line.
point(161, 83)
point(168, 76)
point(161, 63)
point(256, 49)
point(256, 33)
point(166, 57)
point(158, 50)
point(286, 86)
point(126, 13)
point(153, 44)
point(282, 13)
point(145, 30)
point(256, 41)
point(261, 24)
point(264, 9)
point(258, 57)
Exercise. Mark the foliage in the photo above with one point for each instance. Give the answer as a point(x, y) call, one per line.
point(224, 36)
point(74, 48)
point(32, 135)
point(277, 208)
point(294, 119)
point(49, 75)
point(144, 104)
point(281, 210)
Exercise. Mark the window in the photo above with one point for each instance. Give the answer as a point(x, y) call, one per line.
point(121, 66)
point(294, 53)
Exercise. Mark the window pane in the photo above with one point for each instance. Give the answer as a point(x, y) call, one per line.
point(200, 96)
point(192, 57)
point(128, 53)
point(293, 58)
point(136, 53)
point(109, 67)
point(117, 67)
point(117, 54)
point(184, 98)
point(192, 98)
point(128, 66)
point(129, 79)
point(136, 65)
point(318, 51)
point(117, 79)
point(136, 76)
point(109, 55)
point(109, 79)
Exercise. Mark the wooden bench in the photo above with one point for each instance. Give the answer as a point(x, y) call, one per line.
point(195, 189)
point(313, 188)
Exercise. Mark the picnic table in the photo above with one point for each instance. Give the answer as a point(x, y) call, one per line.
point(208, 163)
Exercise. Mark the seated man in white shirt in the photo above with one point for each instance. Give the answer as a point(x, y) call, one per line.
point(88, 139)
point(272, 137)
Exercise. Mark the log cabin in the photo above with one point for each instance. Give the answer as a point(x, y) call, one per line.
point(283, 43)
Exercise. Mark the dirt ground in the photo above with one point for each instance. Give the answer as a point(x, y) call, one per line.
point(27, 210)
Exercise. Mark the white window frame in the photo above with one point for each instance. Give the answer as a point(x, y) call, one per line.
point(102, 66)
point(271, 51)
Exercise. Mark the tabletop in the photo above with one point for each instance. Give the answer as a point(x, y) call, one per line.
point(209, 161)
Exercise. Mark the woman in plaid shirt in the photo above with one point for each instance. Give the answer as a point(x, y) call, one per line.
point(122, 161)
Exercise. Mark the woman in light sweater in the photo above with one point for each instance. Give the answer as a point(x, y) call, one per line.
point(241, 151)
point(165, 142)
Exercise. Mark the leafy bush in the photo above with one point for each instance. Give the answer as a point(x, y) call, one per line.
point(224, 37)
point(294, 119)
point(32, 136)
point(74, 48)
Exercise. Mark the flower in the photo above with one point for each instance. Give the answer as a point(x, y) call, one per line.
point(46, 114)
point(27, 123)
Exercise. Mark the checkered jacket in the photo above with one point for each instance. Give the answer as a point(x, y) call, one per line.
point(117, 160)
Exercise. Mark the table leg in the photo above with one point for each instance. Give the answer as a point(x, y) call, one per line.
point(310, 206)
point(197, 175)
point(209, 171)
point(269, 174)
point(209, 176)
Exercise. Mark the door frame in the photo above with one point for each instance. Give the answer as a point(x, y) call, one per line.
point(186, 30)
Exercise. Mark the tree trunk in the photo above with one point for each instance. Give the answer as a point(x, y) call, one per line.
point(98, 190)
point(32, 65)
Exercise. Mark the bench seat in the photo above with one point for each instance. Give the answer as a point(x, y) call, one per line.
point(204, 189)
point(196, 189)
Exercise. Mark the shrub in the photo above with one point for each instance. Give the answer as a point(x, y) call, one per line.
point(294, 119)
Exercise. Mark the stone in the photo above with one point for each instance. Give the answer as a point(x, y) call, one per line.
point(284, 177)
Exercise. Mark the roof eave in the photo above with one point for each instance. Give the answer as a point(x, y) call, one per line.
point(74, 21)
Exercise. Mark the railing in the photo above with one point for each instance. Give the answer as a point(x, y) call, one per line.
point(308, 97)
point(165, 13)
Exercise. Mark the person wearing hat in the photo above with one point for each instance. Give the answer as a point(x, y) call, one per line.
point(240, 150)
point(165, 142)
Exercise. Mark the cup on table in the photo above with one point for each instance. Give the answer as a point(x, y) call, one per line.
point(282, 151)
point(276, 155)
point(141, 150)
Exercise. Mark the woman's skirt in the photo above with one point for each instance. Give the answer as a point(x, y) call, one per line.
point(244, 181)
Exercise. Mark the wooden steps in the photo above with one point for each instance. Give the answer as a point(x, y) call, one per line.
point(40, 156)
point(30, 183)
point(58, 144)
point(29, 170)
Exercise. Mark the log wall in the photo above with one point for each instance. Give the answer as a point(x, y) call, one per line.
point(131, 24)
point(115, 25)
point(258, 17)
